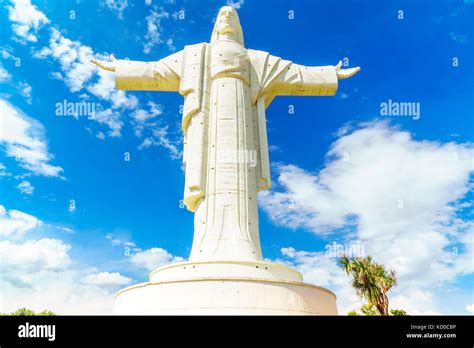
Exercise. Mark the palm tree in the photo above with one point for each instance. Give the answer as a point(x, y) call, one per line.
point(371, 280)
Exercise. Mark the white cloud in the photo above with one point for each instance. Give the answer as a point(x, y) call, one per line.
point(74, 59)
point(3, 170)
point(153, 258)
point(6, 54)
point(25, 90)
point(128, 245)
point(118, 6)
point(319, 269)
point(23, 138)
point(66, 229)
point(14, 223)
point(344, 96)
point(25, 187)
point(34, 255)
point(147, 142)
point(470, 308)
point(26, 20)
point(415, 302)
point(274, 148)
point(4, 74)
point(153, 24)
point(460, 38)
point(40, 274)
point(141, 115)
point(105, 89)
point(237, 4)
point(116, 242)
point(110, 118)
point(400, 197)
point(106, 278)
point(147, 126)
point(160, 137)
point(59, 291)
point(170, 44)
point(78, 73)
point(23, 87)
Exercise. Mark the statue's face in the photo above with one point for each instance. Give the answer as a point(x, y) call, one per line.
point(227, 21)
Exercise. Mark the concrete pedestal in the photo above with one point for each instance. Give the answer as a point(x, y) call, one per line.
point(225, 288)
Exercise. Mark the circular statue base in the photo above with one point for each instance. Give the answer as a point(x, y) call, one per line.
point(225, 288)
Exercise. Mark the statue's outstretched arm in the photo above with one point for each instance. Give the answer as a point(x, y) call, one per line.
point(345, 73)
point(104, 65)
point(298, 79)
point(162, 75)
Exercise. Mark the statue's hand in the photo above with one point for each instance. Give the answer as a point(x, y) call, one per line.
point(345, 73)
point(110, 66)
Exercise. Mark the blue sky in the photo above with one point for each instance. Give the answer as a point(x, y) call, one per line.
point(342, 171)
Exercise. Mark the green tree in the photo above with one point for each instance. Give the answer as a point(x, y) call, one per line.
point(370, 310)
point(370, 280)
point(29, 312)
point(398, 312)
point(366, 309)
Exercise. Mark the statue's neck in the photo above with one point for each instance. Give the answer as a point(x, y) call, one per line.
point(229, 36)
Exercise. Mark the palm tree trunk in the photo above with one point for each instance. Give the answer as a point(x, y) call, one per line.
point(382, 306)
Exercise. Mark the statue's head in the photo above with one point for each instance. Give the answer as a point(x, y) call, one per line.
point(227, 26)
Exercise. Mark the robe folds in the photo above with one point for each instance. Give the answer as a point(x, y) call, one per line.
point(189, 73)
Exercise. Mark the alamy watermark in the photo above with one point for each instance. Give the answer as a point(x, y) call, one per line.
point(237, 157)
point(37, 331)
point(394, 108)
point(350, 250)
point(76, 109)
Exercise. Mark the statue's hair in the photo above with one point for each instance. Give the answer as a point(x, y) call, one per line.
point(238, 29)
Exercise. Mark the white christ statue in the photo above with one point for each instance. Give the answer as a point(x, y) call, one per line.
point(226, 89)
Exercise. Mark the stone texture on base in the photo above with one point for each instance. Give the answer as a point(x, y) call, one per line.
point(203, 289)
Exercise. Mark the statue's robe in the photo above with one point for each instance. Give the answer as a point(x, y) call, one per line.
point(226, 89)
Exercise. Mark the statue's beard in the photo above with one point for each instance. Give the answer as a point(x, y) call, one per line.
point(225, 28)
